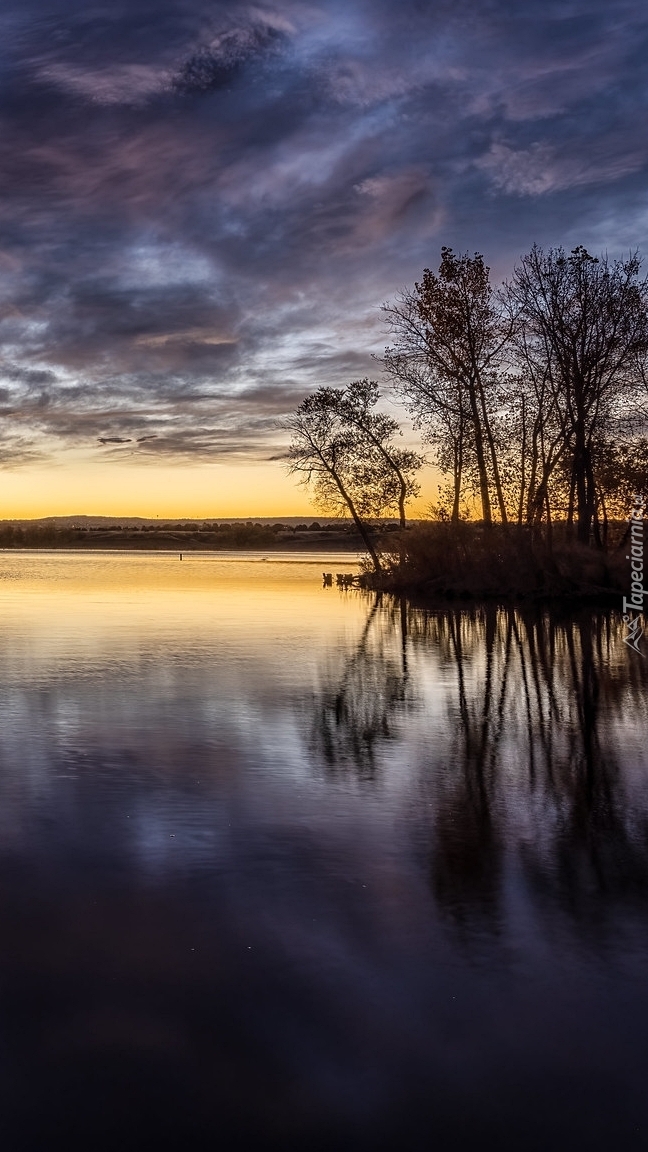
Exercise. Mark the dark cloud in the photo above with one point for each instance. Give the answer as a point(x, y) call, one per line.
point(203, 204)
point(218, 64)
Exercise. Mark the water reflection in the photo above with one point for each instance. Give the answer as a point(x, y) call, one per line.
point(365, 686)
point(543, 733)
point(291, 867)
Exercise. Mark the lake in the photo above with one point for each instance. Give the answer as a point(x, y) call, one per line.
point(285, 866)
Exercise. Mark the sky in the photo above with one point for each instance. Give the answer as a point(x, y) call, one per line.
point(203, 206)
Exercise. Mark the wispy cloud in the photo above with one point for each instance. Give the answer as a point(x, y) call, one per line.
point(203, 204)
point(542, 168)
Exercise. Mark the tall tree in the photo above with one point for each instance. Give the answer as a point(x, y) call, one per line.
point(532, 442)
point(584, 326)
point(450, 333)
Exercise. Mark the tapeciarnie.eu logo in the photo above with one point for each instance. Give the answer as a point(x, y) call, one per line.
point(635, 602)
point(634, 633)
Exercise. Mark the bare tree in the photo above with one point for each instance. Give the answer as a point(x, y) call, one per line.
point(450, 335)
point(439, 412)
point(531, 440)
point(584, 336)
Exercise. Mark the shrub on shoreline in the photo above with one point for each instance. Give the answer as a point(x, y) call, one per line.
point(470, 560)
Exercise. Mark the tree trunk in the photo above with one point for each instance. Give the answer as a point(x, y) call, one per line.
point(481, 459)
point(533, 472)
point(549, 524)
point(493, 455)
point(360, 525)
point(401, 499)
point(572, 496)
point(605, 523)
point(457, 473)
point(583, 501)
point(538, 504)
point(592, 498)
point(520, 514)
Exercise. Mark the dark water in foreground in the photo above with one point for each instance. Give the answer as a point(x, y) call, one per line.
point(284, 867)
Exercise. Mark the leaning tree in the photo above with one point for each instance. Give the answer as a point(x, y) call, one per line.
point(346, 453)
point(376, 436)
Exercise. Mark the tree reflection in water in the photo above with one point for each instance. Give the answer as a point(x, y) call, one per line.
point(534, 732)
point(364, 691)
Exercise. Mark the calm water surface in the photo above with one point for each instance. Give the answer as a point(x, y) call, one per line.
point(288, 867)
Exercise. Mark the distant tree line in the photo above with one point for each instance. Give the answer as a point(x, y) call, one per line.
point(530, 398)
point(172, 536)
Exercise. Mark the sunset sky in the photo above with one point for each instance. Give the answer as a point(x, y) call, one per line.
point(204, 204)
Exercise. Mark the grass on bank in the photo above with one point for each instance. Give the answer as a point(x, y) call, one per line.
point(469, 560)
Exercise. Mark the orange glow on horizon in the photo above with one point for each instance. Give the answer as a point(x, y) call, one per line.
point(169, 492)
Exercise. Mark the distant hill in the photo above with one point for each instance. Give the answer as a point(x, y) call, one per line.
point(83, 521)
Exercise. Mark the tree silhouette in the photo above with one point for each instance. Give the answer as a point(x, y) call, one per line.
point(584, 331)
point(450, 333)
point(345, 451)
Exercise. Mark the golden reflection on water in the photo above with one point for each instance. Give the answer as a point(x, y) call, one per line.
point(84, 573)
point(267, 602)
